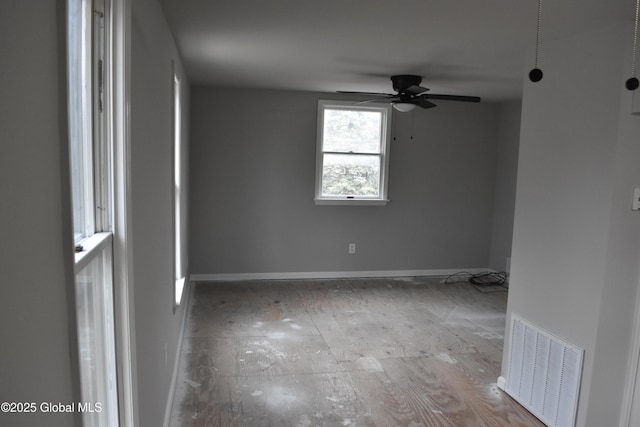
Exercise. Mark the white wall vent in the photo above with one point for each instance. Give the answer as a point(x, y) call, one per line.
point(544, 374)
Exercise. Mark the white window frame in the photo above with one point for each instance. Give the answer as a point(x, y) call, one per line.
point(355, 200)
point(122, 218)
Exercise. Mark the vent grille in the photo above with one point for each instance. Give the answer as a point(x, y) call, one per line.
point(544, 374)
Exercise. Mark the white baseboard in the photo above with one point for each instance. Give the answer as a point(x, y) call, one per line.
point(176, 365)
point(234, 277)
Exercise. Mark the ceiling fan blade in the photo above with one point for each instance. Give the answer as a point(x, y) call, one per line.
point(365, 93)
point(415, 90)
point(389, 98)
point(422, 102)
point(451, 97)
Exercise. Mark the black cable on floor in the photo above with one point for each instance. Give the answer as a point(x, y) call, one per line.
point(481, 280)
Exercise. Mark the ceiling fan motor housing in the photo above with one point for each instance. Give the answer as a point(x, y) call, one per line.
point(404, 81)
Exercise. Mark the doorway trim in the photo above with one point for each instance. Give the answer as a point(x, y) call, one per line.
point(631, 383)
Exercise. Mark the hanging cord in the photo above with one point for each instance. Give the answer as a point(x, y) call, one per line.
point(535, 75)
point(632, 83)
point(538, 32)
point(635, 40)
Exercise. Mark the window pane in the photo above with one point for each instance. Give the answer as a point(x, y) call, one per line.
point(80, 118)
point(352, 131)
point(94, 299)
point(350, 175)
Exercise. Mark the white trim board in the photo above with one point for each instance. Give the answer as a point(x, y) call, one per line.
point(631, 386)
point(502, 382)
point(186, 300)
point(235, 277)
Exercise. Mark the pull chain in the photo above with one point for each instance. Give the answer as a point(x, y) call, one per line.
point(538, 32)
point(632, 83)
point(393, 124)
point(536, 74)
point(412, 112)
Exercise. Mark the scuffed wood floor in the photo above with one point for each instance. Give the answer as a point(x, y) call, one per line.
point(384, 352)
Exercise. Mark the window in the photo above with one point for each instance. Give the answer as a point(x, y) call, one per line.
point(352, 158)
point(91, 152)
point(178, 227)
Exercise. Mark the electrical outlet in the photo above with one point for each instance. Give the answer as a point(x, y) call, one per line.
point(352, 248)
point(636, 200)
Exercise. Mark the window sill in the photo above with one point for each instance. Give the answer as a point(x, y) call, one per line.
point(91, 247)
point(351, 202)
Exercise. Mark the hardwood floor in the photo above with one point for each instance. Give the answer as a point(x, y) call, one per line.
point(384, 352)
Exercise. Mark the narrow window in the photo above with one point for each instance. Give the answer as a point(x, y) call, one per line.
point(178, 219)
point(352, 155)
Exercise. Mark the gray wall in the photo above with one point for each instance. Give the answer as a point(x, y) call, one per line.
point(38, 345)
point(252, 182)
point(574, 268)
point(505, 189)
point(157, 326)
point(36, 322)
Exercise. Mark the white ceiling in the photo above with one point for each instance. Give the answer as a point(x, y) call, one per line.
point(460, 47)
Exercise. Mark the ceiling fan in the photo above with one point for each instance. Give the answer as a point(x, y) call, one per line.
point(410, 94)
